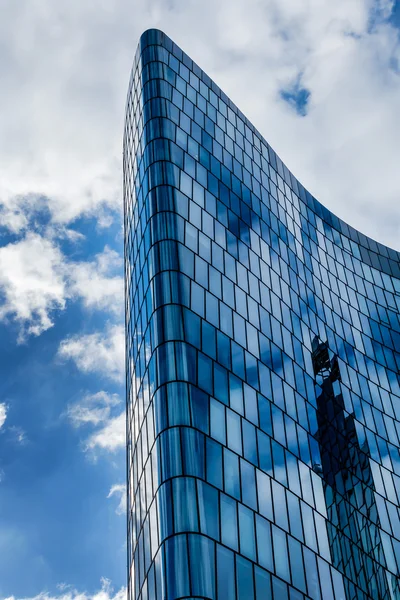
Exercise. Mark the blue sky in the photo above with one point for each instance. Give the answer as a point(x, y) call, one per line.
point(57, 524)
point(320, 80)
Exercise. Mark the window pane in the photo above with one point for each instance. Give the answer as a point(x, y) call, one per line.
point(246, 530)
point(264, 543)
point(202, 570)
point(176, 566)
point(208, 509)
point(225, 574)
point(280, 553)
point(263, 584)
point(185, 504)
point(229, 529)
point(244, 579)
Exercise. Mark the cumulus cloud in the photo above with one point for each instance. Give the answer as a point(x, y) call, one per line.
point(320, 80)
point(69, 593)
point(119, 490)
point(100, 352)
point(32, 283)
point(64, 145)
point(3, 414)
point(58, 145)
point(37, 280)
point(61, 151)
point(111, 437)
point(99, 283)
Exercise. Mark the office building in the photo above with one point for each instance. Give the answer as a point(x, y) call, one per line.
point(263, 357)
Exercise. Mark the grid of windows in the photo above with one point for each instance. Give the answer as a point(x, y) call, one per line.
point(263, 358)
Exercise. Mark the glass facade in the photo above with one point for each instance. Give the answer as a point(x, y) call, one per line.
point(263, 357)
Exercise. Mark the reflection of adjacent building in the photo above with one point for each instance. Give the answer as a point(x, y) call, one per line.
point(353, 522)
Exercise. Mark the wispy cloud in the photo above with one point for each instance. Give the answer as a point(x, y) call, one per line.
point(69, 593)
point(93, 409)
point(119, 490)
point(18, 435)
point(100, 352)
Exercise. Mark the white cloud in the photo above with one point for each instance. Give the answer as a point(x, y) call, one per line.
point(37, 279)
point(3, 414)
point(99, 283)
point(119, 489)
point(344, 151)
point(93, 409)
point(32, 283)
point(111, 437)
point(69, 593)
point(98, 411)
point(17, 213)
point(100, 352)
point(59, 144)
point(74, 59)
point(61, 151)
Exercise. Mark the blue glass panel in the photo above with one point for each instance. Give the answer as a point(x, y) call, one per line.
point(208, 510)
point(176, 567)
point(280, 589)
point(214, 463)
point(205, 373)
point(178, 406)
point(244, 579)
point(171, 453)
point(202, 553)
point(231, 474)
point(234, 432)
point(249, 490)
point(217, 421)
point(263, 584)
point(325, 578)
point(246, 532)
point(229, 528)
point(280, 553)
point(221, 383)
point(193, 453)
point(262, 352)
point(296, 564)
point(199, 403)
point(264, 544)
point(311, 574)
point(226, 584)
point(164, 504)
point(192, 328)
point(264, 495)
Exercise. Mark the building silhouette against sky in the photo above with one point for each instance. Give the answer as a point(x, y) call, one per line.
point(263, 357)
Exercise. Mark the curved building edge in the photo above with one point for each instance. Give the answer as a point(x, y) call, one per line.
point(373, 253)
point(369, 252)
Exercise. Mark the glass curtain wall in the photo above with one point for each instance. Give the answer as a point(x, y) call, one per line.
point(262, 362)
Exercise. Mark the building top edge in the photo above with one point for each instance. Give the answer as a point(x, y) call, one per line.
point(372, 248)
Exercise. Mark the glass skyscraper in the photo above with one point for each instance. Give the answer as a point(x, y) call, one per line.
point(263, 357)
